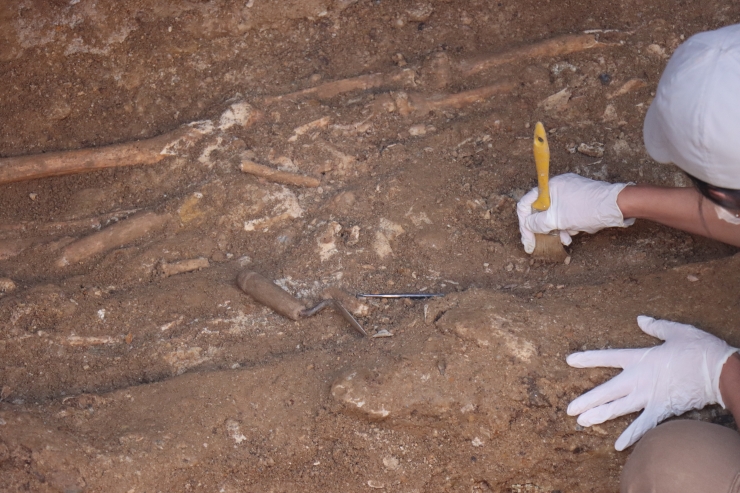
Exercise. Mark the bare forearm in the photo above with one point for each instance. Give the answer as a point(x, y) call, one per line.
point(729, 385)
point(681, 208)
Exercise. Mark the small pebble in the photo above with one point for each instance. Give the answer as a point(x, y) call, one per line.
point(605, 79)
point(6, 285)
point(58, 110)
point(567, 260)
point(692, 278)
point(418, 129)
point(33, 196)
point(420, 12)
point(391, 463)
point(595, 149)
point(375, 484)
point(399, 59)
point(382, 333)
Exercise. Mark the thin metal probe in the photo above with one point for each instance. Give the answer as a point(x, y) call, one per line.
point(402, 295)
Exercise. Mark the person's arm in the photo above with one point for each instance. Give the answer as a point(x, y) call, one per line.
point(681, 208)
point(729, 385)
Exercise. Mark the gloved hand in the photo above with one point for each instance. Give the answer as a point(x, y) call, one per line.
point(677, 376)
point(576, 204)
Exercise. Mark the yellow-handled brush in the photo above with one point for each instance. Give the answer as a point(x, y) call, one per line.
point(547, 246)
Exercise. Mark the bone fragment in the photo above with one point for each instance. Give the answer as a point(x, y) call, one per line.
point(89, 341)
point(95, 222)
point(439, 70)
point(112, 237)
point(149, 151)
point(16, 237)
point(328, 90)
point(314, 125)
point(283, 177)
point(12, 247)
point(557, 101)
point(141, 152)
point(240, 114)
point(171, 269)
point(628, 86)
point(562, 45)
point(423, 104)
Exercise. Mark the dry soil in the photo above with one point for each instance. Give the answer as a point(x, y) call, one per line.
point(119, 374)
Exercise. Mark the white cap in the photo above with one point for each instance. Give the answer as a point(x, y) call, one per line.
point(694, 120)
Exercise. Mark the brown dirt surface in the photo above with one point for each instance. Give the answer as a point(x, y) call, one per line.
point(135, 363)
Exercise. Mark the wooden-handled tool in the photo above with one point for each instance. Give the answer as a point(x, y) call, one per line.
point(547, 246)
point(273, 296)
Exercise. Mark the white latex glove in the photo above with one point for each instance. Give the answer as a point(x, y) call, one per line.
point(679, 375)
point(576, 204)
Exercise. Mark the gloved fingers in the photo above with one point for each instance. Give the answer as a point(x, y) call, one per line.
point(541, 222)
point(612, 358)
point(665, 329)
point(523, 211)
point(611, 410)
point(528, 240)
point(616, 388)
point(648, 420)
point(565, 237)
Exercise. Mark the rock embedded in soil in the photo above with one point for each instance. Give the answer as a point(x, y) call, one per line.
point(59, 110)
point(595, 149)
point(172, 268)
point(6, 285)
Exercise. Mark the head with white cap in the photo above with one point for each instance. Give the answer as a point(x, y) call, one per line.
point(694, 120)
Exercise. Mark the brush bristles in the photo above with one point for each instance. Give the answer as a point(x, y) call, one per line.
point(549, 248)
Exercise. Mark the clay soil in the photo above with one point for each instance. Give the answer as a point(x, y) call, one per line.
point(119, 374)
